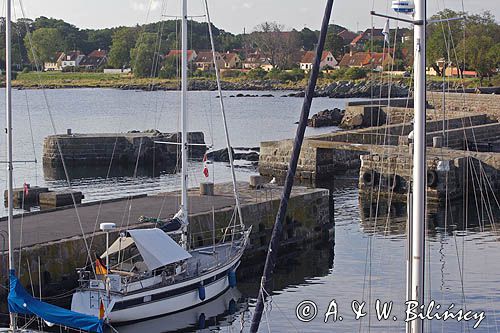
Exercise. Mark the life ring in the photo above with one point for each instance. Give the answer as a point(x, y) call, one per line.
point(432, 178)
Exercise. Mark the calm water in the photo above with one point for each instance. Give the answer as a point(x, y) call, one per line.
point(366, 261)
point(250, 121)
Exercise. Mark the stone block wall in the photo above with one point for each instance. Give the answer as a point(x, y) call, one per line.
point(122, 148)
point(488, 103)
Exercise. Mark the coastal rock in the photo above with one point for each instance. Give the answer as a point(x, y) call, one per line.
point(326, 118)
point(222, 155)
point(352, 121)
point(363, 116)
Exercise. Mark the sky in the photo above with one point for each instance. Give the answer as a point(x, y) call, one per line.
point(231, 15)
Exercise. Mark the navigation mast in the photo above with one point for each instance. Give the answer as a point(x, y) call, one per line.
point(184, 140)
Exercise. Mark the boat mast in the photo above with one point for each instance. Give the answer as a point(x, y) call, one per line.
point(184, 141)
point(419, 165)
point(8, 110)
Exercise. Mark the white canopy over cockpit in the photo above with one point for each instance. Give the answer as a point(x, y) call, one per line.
point(155, 246)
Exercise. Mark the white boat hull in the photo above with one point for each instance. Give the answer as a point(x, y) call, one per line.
point(155, 302)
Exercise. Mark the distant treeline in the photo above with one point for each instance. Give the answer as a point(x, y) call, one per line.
point(49, 36)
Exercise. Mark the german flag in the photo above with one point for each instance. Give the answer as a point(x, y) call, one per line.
point(100, 267)
point(101, 310)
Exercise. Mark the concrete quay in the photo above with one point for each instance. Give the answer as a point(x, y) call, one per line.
point(55, 236)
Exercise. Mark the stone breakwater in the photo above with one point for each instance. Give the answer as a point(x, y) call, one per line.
point(378, 147)
point(119, 148)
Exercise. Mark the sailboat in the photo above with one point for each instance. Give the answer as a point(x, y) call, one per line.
point(147, 273)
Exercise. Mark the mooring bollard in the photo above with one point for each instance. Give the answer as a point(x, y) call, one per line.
point(437, 141)
point(207, 188)
point(256, 181)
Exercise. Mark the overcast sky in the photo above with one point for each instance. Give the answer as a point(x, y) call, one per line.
point(231, 15)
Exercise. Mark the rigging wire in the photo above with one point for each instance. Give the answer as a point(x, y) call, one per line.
point(224, 120)
point(45, 98)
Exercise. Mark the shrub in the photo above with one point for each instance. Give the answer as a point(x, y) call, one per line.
point(293, 75)
point(167, 72)
point(355, 73)
point(257, 73)
point(232, 73)
point(337, 74)
point(274, 74)
point(71, 69)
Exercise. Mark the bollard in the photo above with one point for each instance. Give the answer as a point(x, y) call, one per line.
point(207, 188)
point(437, 141)
point(256, 181)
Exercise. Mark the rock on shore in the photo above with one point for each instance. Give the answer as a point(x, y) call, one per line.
point(250, 154)
point(326, 118)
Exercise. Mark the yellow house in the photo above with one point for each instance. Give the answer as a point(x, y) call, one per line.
point(231, 60)
point(56, 65)
point(205, 60)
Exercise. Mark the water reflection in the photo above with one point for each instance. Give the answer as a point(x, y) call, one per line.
point(86, 171)
point(469, 213)
point(296, 266)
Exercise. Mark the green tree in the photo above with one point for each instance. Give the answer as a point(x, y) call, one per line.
point(72, 37)
point(46, 42)
point(442, 37)
point(98, 39)
point(144, 59)
point(19, 53)
point(335, 44)
point(479, 49)
point(480, 55)
point(308, 38)
point(123, 40)
point(171, 67)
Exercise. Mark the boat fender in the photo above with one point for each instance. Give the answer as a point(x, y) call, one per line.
point(231, 276)
point(201, 321)
point(432, 178)
point(368, 178)
point(393, 182)
point(232, 306)
point(201, 292)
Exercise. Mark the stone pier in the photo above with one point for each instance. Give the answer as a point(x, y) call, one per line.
point(381, 154)
point(122, 149)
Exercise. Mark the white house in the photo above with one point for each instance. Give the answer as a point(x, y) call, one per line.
point(55, 65)
point(72, 59)
point(327, 59)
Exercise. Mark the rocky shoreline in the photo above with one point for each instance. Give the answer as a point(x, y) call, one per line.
point(338, 89)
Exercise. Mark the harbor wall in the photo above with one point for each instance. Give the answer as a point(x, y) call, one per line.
point(308, 218)
point(466, 102)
